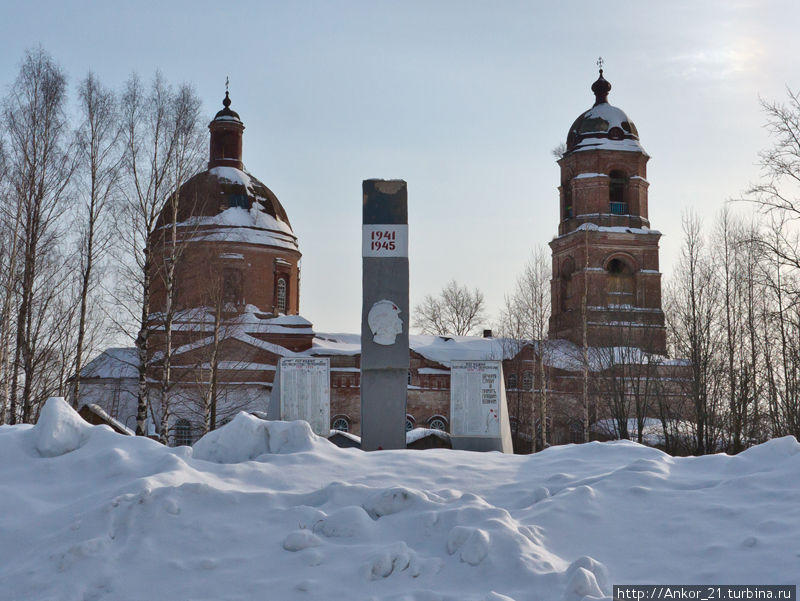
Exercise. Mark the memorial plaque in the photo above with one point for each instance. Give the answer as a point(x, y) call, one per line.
point(302, 391)
point(384, 315)
point(478, 407)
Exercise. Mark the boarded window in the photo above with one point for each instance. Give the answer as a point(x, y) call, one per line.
point(621, 283)
point(232, 286)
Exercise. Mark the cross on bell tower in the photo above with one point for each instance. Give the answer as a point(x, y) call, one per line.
point(605, 250)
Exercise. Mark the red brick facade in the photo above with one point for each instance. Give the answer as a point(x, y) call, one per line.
point(605, 258)
point(237, 264)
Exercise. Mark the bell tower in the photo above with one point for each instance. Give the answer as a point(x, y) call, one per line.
point(605, 254)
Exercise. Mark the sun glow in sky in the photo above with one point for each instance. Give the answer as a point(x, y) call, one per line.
point(464, 100)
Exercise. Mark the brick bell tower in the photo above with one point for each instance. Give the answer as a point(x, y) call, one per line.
point(605, 249)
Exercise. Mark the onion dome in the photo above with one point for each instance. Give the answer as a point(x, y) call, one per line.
point(603, 127)
point(226, 113)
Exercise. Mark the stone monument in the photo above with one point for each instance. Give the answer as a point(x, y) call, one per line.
point(478, 407)
point(384, 315)
point(301, 390)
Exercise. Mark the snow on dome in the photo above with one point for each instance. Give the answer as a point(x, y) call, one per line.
point(60, 429)
point(603, 127)
point(227, 204)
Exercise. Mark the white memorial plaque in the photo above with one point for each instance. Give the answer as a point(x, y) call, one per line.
point(384, 240)
point(475, 394)
point(305, 392)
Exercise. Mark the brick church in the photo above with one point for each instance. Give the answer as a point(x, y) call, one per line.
point(235, 302)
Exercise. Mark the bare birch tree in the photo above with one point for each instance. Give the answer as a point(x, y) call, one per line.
point(100, 155)
point(155, 123)
point(41, 165)
point(693, 303)
point(525, 317)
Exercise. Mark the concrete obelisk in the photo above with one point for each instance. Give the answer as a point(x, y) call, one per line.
point(384, 315)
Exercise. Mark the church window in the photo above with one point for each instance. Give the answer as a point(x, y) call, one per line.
point(410, 423)
point(232, 286)
point(281, 295)
point(437, 422)
point(565, 283)
point(620, 285)
point(238, 200)
point(567, 201)
point(183, 433)
point(340, 423)
point(549, 424)
point(616, 193)
point(527, 381)
point(576, 432)
point(512, 381)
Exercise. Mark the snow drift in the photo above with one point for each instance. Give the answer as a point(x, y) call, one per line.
point(267, 510)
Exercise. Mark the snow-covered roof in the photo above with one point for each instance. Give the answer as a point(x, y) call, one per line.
point(251, 320)
point(589, 175)
point(416, 434)
point(441, 349)
point(100, 412)
point(116, 362)
point(611, 229)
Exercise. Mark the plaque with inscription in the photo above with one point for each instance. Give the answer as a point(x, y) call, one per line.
point(478, 408)
point(305, 392)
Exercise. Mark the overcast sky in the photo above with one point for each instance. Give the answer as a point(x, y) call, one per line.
point(464, 100)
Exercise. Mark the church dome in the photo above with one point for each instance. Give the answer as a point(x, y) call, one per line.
point(603, 126)
point(226, 203)
point(237, 246)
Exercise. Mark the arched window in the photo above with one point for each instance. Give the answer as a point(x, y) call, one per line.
point(576, 432)
point(280, 300)
point(620, 283)
point(409, 377)
point(565, 283)
point(232, 286)
point(183, 433)
point(616, 193)
point(410, 423)
point(527, 380)
point(512, 381)
point(340, 423)
point(239, 200)
point(567, 187)
point(549, 424)
point(438, 422)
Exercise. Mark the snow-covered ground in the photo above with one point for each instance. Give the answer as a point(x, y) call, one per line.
point(267, 511)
